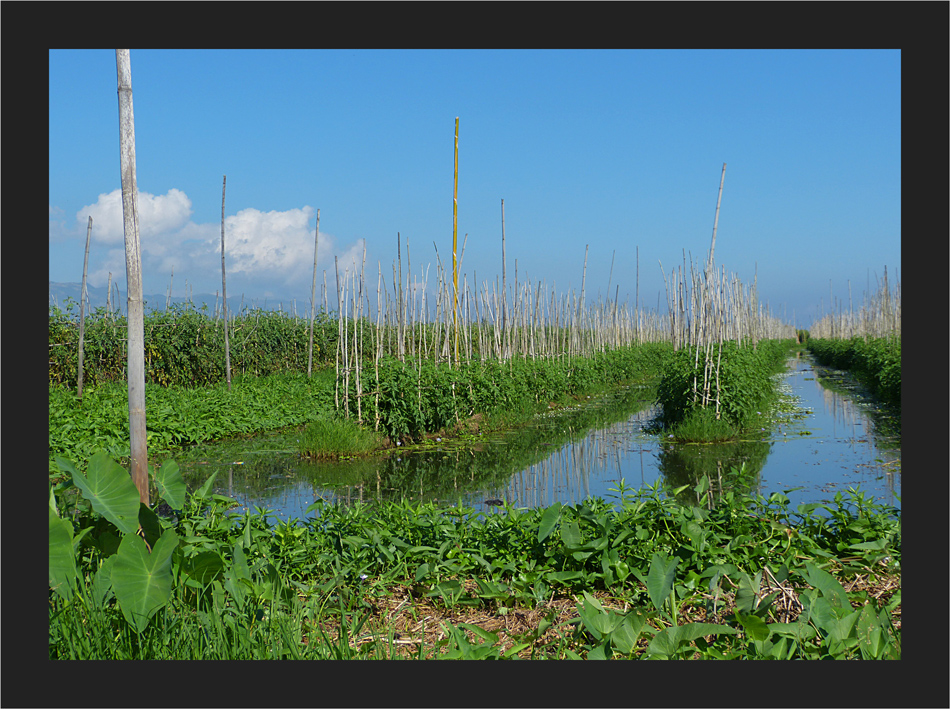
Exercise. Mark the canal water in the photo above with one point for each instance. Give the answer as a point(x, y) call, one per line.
point(830, 437)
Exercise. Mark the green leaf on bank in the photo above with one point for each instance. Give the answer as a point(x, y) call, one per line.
point(660, 579)
point(62, 559)
point(110, 490)
point(171, 485)
point(549, 520)
point(142, 580)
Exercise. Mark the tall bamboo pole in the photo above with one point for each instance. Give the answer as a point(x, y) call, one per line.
point(455, 224)
point(504, 278)
point(224, 293)
point(136, 316)
point(712, 246)
point(313, 297)
point(400, 313)
point(82, 309)
point(339, 334)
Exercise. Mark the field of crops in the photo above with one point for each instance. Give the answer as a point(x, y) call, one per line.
point(731, 577)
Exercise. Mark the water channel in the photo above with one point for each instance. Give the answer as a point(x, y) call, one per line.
point(830, 438)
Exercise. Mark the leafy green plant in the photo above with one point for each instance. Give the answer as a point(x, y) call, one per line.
point(652, 577)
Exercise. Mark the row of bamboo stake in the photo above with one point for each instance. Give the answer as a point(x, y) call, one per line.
point(879, 314)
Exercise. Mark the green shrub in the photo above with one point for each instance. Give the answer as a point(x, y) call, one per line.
point(743, 385)
point(876, 362)
point(334, 437)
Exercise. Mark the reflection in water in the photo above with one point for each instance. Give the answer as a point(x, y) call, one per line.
point(588, 466)
point(840, 443)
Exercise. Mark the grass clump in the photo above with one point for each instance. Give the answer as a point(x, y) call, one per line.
point(337, 437)
point(701, 425)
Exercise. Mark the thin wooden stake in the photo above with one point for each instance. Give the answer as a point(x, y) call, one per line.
point(82, 309)
point(313, 296)
point(455, 223)
point(712, 246)
point(224, 293)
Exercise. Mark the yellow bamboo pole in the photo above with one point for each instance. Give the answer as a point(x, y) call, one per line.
point(455, 231)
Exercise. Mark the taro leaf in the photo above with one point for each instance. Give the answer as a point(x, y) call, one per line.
point(108, 486)
point(840, 628)
point(799, 630)
point(666, 643)
point(143, 581)
point(106, 542)
point(747, 593)
point(62, 558)
point(171, 486)
point(205, 490)
point(756, 627)
point(660, 579)
point(204, 567)
point(828, 585)
point(871, 639)
point(236, 573)
point(695, 533)
point(151, 527)
point(624, 637)
point(102, 590)
point(549, 519)
point(598, 621)
point(571, 534)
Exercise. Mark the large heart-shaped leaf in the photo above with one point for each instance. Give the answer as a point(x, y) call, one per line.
point(143, 581)
point(571, 534)
point(757, 628)
point(828, 585)
point(108, 486)
point(660, 579)
point(625, 636)
point(549, 519)
point(205, 567)
point(62, 559)
point(668, 641)
point(171, 486)
point(101, 590)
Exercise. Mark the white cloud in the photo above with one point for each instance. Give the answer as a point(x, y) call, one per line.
point(269, 243)
point(157, 214)
point(265, 251)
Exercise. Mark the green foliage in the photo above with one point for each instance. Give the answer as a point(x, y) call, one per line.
point(185, 346)
point(212, 585)
point(413, 397)
point(179, 416)
point(744, 382)
point(876, 362)
point(334, 437)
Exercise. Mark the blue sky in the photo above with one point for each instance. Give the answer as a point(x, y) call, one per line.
point(617, 150)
